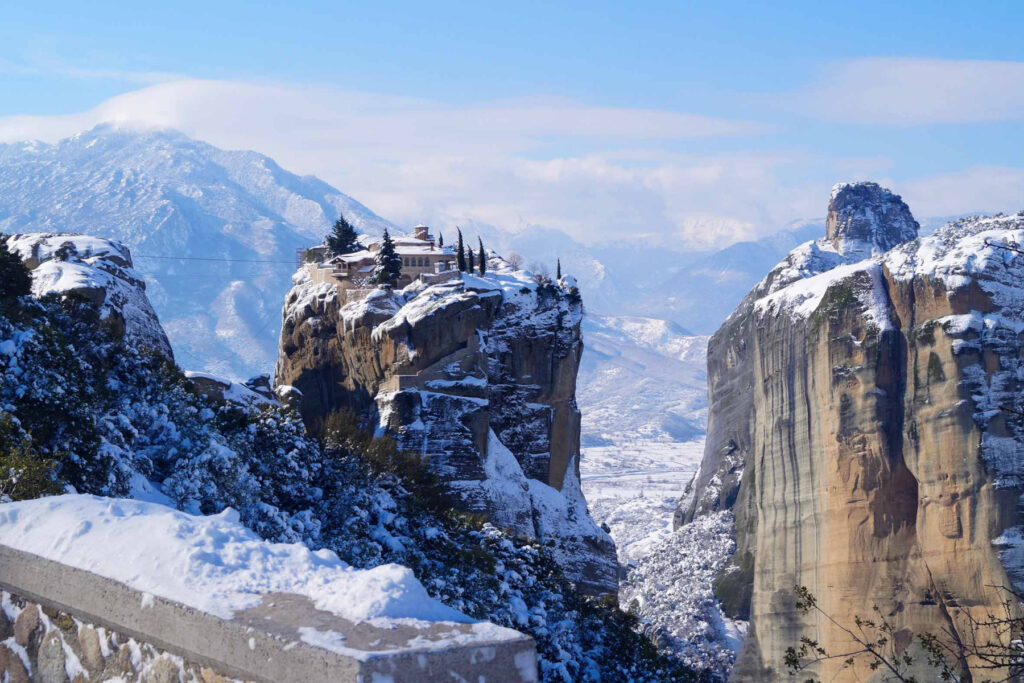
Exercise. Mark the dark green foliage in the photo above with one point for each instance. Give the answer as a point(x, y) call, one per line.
point(935, 373)
point(926, 333)
point(734, 585)
point(123, 416)
point(470, 265)
point(558, 269)
point(343, 238)
point(343, 430)
point(388, 266)
point(24, 474)
point(460, 253)
point(440, 241)
point(482, 257)
point(15, 280)
point(838, 298)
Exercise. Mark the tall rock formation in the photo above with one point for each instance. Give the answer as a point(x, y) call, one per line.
point(862, 428)
point(477, 374)
point(99, 270)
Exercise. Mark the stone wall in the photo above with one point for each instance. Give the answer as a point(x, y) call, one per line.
point(62, 624)
point(44, 645)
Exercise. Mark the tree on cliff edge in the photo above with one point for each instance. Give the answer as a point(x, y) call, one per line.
point(388, 266)
point(483, 257)
point(343, 238)
point(461, 252)
point(15, 280)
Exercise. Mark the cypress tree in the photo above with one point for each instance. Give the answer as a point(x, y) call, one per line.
point(440, 241)
point(470, 266)
point(461, 254)
point(483, 257)
point(343, 238)
point(388, 264)
point(558, 275)
point(15, 280)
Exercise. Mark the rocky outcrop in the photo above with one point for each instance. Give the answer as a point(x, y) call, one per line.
point(862, 429)
point(476, 374)
point(100, 271)
point(864, 219)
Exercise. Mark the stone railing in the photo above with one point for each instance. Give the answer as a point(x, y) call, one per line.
point(60, 624)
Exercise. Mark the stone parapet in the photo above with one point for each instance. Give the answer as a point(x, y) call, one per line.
point(273, 642)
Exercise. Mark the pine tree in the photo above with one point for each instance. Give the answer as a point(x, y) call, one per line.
point(343, 238)
point(388, 264)
point(483, 257)
point(440, 241)
point(558, 271)
point(461, 254)
point(471, 266)
point(15, 280)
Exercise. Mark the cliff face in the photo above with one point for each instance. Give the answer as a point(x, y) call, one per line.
point(856, 429)
point(478, 374)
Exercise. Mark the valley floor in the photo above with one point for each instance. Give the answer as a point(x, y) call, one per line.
point(633, 487)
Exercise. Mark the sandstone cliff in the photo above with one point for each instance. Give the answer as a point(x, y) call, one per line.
point(857, 429)
point(478, 374)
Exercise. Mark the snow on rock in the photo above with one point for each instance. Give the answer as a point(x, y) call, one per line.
point(98, 269)
point(222, 389)
point(476, 374)
point(211, 563)
point(865, 218)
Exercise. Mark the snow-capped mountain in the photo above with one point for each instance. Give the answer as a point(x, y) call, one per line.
point(175, 201)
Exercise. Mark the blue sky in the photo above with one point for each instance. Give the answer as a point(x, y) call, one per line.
point(707, 123)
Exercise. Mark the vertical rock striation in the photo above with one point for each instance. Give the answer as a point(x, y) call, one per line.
point(857, 429)
point(477, 374)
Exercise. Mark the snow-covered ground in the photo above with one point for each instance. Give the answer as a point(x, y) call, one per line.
point(634, 486)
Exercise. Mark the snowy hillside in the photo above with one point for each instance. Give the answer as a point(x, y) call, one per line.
point(641, 378)
point(165, 195)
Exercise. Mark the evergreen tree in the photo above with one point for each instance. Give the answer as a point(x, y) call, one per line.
point(440, 241)
point(343, 238)
point(558, 272)
point(461, 254)
point(15, 280)
point(388, 266)
point(471, 266)
point(483, 257)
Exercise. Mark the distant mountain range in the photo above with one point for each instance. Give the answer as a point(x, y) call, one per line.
point(174, 200)
point(215, 234)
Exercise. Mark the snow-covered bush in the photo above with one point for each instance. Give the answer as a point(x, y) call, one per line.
point(122, 421)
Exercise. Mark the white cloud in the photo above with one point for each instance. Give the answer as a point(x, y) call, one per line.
point(496, 162)
point(909, 91)
point(977, 189)
point(596, 173)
